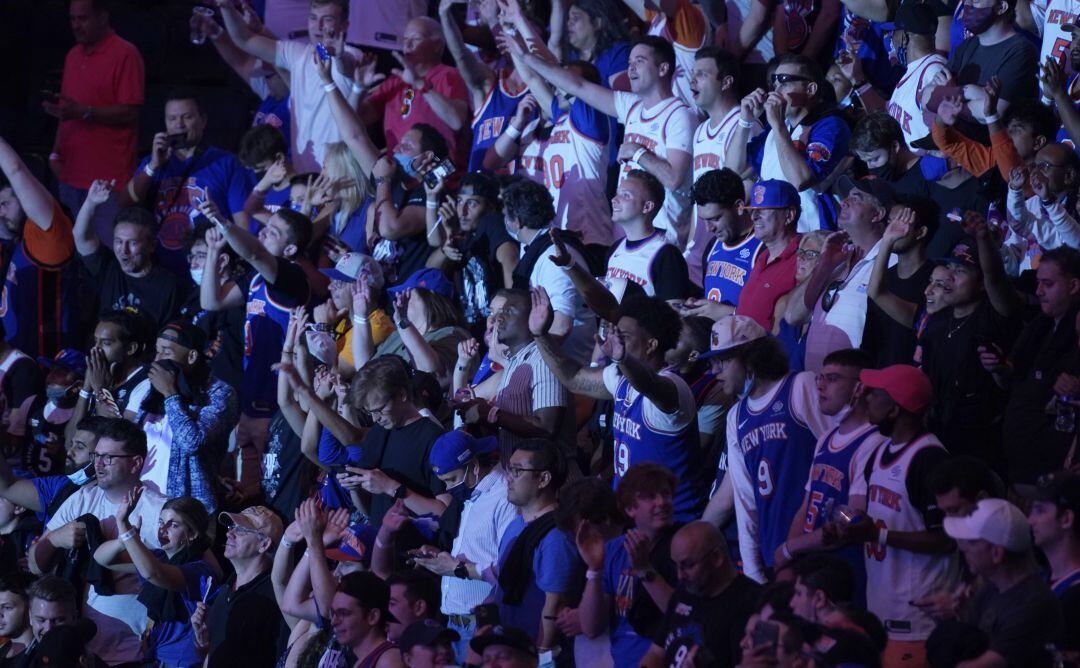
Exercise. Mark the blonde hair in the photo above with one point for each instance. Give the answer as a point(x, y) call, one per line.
point(815, 235)
point(340, 164)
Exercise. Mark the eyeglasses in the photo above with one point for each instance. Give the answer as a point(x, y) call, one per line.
point(372, 412)
point(107, 459)
point(517, 471)
point(242, 529)
point(804, 254)
point(1047, 166)
point(781, 79)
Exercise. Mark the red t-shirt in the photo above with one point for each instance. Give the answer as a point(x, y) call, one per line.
point(401, 114)
point(110, 73)
point(767, 283)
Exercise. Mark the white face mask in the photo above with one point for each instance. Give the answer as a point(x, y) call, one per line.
point(196, 275)
point(513, 234)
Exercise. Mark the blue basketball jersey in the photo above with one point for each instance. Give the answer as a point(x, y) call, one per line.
point(777, 449)
point(1066, 583)
point(830, 477)
point(636, 442)
point(727, 267)
point(264, 335)
point(38, 303)
point(490, 121)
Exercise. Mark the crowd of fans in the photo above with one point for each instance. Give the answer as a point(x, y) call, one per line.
point(576, 332)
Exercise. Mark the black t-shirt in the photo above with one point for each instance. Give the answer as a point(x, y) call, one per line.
point(158, 293)
point(913, 183)
point(714, 624)
point(224, 337)
point(288, 476)
point(411, 253)
point(1019, 621)
point(246, 626)
point(887, 341)
point(1070, 612)
point(974, 194)
point(670, 275)
point(481, 276)
point(402, 454)
point(1014, 61)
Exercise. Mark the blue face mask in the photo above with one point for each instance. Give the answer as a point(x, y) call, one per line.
point(82, 476)
point(461, 491)
point(406, 164)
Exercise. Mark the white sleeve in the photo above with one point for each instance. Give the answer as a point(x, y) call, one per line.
point(258, 86)
point(149, 513)
point(683, 415)
point(623, 102)
point(504, 514)
point(745, 506)
point(288, 53)
point(679, 133)
point(1066, 231)
point(611, 378)
point(138, 395)
point(564, 296)
point(804, 405)
point(67, 512)
point(709, 418)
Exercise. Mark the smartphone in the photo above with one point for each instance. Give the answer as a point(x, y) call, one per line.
point(440, 171)
point(765, 633)
point(324, 55)
point(487, 614)
point(337, 470)
point(177, 139)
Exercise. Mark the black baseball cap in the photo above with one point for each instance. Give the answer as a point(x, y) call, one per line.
point(508, 636)
point(917, 18)
point(63, 645)
point(184, 333)
point(370, 590)
point(425, 633)
point(1061, 489)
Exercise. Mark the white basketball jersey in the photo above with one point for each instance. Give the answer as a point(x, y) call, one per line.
point(684, 58)
point(532, 163)
point(633, 263)
point(904, 103)
point(652, 128)
point(900, 576)
point(576, 176)
point(760, 53)
point(1055, 41)
point(710, 146)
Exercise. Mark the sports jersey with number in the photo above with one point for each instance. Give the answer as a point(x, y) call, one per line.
point(264, 334)
point(900, 576)
point(644, 433)
point(1073, 87)
point(838, 459)
point(727, 267)
point(770, 447)
point(491, 119)
point(575, 171)
point(687, 32)
point(667, 126)
point(1055, 40)
point(632, 261)
point(904, 103)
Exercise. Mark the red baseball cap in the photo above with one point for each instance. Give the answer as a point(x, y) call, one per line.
point(906, 385)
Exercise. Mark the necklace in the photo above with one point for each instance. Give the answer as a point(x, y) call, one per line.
point(953, 329)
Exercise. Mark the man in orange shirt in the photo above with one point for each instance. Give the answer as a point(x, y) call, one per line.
point(98, 109)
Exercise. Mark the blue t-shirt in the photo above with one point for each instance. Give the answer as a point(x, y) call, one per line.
point(275, 113)
point(211, 173)
point(173, 643)
point(623, 586)
point(556, 569)
point(611, 61)
point(880, 69)
point(47, 488)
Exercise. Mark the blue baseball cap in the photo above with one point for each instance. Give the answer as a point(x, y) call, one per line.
point(429, 279)
point(454, 449)
point(773, 194)
point(68, 357)
point(356, 544)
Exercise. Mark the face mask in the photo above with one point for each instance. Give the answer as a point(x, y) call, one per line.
point(513, 234)
point(406, 164)
point(883, 172)
point(55, 393)
point(196, 275)
point(747, 384)
point(82, 476)
point(978, 20)
point(461, 491)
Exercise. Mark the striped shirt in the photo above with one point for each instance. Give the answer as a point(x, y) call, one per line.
point(528, 385)
point(484, 519)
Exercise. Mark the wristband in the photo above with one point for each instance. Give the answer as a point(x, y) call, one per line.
point(863, 88)
point(149, 170)
point(287, 543)
point(513, 133)
point(785, 551)
point(85, 395)
point(379, 543)
point(746, 125)
point(592, 575)
point(882, 537)
point(358, 89)
point(329, 87)
point(359, 320)
point(992, 118)
point(403, 324)
point(127, 535)
point(431, 205)
point(637, 155)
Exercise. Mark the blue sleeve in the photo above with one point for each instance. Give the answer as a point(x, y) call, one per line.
point(333, 495)
point(613, 553)
point(612, 61)
point(827, 145)
point(196, 575)
point(240, 184)
point(755, 150)
point(588, 121)
point(47, 489)
point(556, 563)
point(333, 453)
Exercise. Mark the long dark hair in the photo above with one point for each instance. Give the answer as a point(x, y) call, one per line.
point(612, 27)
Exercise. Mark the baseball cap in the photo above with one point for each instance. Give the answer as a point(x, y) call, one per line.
point(508, 636)
point(371, 590)
point(965, 253)
point(456, 448)
point(916, 18)
point(425, 633)
point(429, 279)
point(349, 267)
point(773, 194)
point(730, 332)
point(67, 357)
point(184, 333)
point(1060, 488)
point(356, 544)
point(63, 645)
point(994, 520)
point(906, 385)
point(1070, 27)
point(877, 188)
point(259, 518)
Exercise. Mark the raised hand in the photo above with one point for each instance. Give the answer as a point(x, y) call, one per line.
point(126, 507)
point(99, 373)
point(1052, 77)
point(160, 151)
point(361, 296)
point(1018, 178)
point(1040, 185)
point(949, 109)
point(401, 304)
point(541, 316)
point(337, 522)
point(99, 191)
point(275, 173)
point(405, 72)
point(850, 66)
point(323, 67)
point(365, 74)
point(900, 225)
point(527, 109)
point(562, 257)
point(775, 108)
point(752, 105)
point(590, 545)
point(837, 249)
point(614, 346)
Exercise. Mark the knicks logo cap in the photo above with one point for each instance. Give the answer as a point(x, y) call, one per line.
point(773, 194)
point(730, 332)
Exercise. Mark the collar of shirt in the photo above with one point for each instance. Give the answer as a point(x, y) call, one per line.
point(104, 44)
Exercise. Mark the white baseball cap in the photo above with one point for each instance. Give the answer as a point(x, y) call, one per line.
point(996, 521)
point(730, 332)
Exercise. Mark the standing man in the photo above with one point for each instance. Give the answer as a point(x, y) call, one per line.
point(659, 126)
point(98, 105)
point(118, 460)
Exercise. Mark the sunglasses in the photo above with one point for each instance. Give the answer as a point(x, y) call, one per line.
point(779, 79)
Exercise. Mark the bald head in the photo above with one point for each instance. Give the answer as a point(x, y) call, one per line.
point(699, 553)
point(701, 536)
point(1056, 163)
point(423, 43)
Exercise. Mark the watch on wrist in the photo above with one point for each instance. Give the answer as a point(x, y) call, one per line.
point(404, 324)
point(648, 575)
point(461, 571)
point(401, 492)
point(379, 180)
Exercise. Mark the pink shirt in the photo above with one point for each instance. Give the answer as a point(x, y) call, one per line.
point(109, 73)
point(767, 283)
point(403, 108)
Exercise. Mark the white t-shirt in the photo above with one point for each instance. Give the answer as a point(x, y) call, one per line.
point(668, 126)
point(313, 125)
point(120, 618)
point(565, 299)
point(155, 473)
point(372, 22)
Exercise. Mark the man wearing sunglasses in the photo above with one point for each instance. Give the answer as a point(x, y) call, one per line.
point(118, 461)
point(803, 143)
